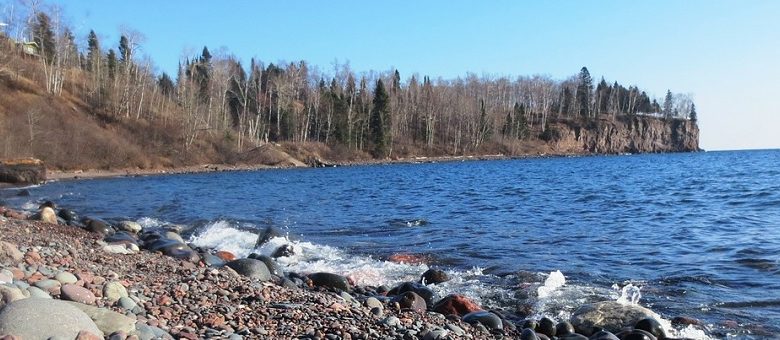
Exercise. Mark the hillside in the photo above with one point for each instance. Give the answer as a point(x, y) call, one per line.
point(87, 120)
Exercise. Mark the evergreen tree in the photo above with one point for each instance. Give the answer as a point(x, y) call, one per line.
point(125, 50)
point(692, 115)
point(111, 63)
point(521, 123)
point(377, 122)
point(166, 85)
point(668, 105)
point(584, 90)
point(43, 35)
point(93, 52)
point(203, 74)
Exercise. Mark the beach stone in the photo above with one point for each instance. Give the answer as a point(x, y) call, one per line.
point(211, 260)
point(455, 329)
point(638, 334)
point(6, 276)
point(121, 237)
point(173, 249)
point(47, 215)
point(546, 326)
point(36, 292)
point(227, 256)
point(373, 302)
point(603, 335)
point(65, 277)
point(266, 234)
point(284, 250)
point(129, 226)
point(564, 328)
point(573, 336)
point(251, 268)
point(9, 294)
point(52, 318)
point(127, 303)
point(608, 315)
point(76, 293)
point(455, 304)
point(391, 321)
point(9, 253)
point(426, 293)
point(485, 318)
point(48, 285)
point(68, 215)
point(106, 320)
point(113, 291)
point(330, 280)
point(528, 334)
point(122, 249)
point(85, 335)
point(273, 267)
point(410, 300)
point(436, 334)
point(434, 276)
point(97, 226)
point(171, 235)
point(652, 326)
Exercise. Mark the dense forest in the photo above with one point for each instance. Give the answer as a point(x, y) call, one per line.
point(217, 96)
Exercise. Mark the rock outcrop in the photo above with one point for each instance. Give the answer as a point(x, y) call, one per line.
point(627, 134)
point(22, 171)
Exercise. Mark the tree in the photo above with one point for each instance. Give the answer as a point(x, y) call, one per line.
point(692, 115)
point(584, 89)
point(667, 112)
point(166, 85)
point(43, 35)
point(93, 52)
point(111, 63)
point(378, 122)
point(125, 50)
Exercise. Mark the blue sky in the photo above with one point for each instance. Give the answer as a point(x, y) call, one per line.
point(724, 53)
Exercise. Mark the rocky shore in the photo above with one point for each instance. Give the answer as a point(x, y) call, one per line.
point(65, 277)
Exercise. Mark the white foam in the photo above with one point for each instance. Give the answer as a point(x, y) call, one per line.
point(221, 235)
point(629, 294)
point(554, 281)
point(149, 222)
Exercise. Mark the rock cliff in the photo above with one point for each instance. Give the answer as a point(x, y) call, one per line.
point(630, 134)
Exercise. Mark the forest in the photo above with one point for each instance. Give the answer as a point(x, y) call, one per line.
point(244, 104)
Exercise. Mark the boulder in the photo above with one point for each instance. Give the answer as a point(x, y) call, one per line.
point(455, 304)
point(651, 326)
point(330, 280)
point(68, 215)
point(9, 253)
point(284, 250)
point(608, 315)
point(129, 226)
point(410, 300)
point(107, 320)
point(22, 171)
point(113, 291)
point(269, 262)
point(266, 234)
point(97, 226)
point(251, 268)
point(434, 276)
point(47, 215)
point(485, 318)
point(9, 294)
point(42, 319)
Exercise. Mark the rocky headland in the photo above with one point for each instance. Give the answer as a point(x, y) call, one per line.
point(65, 277)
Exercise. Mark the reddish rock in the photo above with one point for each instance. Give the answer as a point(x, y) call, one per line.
point(35, 277)
point(87, 277)
point(85, 335)
point(225, 255)
point(408, 258)
point(78, 294)
point(456, 304)
point(18, 273)
point(9, 253)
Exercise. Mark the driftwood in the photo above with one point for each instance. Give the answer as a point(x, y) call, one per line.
point(22, 171)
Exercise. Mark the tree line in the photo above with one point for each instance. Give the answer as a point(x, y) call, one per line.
point(374, 112)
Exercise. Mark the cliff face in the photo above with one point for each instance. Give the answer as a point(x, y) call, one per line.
point(636, 134)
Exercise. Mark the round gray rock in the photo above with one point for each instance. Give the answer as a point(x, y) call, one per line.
point(36, 292)
point(42, 319)
point(113, 291)
point(251, 268)
point(608, 315)
point(65, 278)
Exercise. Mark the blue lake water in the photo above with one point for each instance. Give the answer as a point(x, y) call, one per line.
point(698, 233)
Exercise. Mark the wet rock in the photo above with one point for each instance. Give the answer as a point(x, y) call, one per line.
point(638, 334)
point(284, 250)
point(97, 226)
point(455, 304)
point(573, 336)
point(123, 237)
point(211, 260)
point(251, 268)
point(172, 248)
point(78, 294)
point(106, 320)
point(273, 267)
point(487, 319)
point(266, 234)
point(51, 318)
point(426, 293)
point(564, 328)
point(609, 315)
point(113, 291)
point(685, 321)
point(652, 326)
point(68, 215)
point(603, 335)
point(546, 326)
point(9, 253)
point(411, 300)
point(528, 334)
point(129, 226)
point(226, 256)
point(330, 280)
point(434, 276)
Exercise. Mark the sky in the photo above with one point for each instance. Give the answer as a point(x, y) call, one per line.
point(724, 54)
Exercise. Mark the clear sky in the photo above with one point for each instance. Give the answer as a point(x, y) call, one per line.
point(724, 53)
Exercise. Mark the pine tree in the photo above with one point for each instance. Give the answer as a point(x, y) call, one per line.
point(111, 63)
point(668, 105)
point(521, 124)
point(692, 115)
point(93, 52)
point(43, 35)
point(584, 90)
point(166, 85)
point(125, 51)
point(377, 123)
